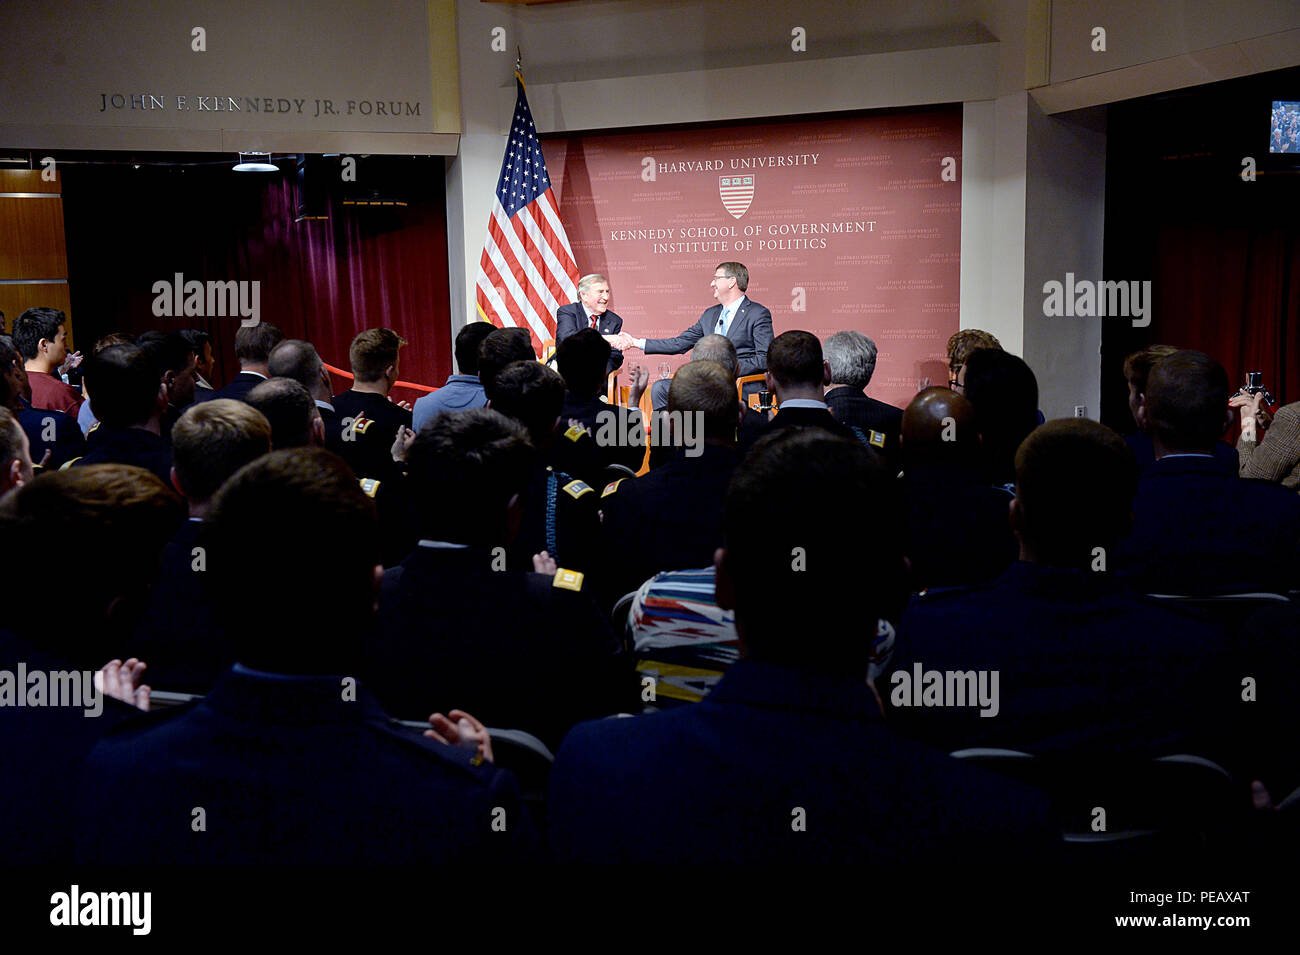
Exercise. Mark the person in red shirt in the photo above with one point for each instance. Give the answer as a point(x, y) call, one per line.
point(41, 337)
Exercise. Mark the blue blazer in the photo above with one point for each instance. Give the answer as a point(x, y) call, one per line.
point(724, 780)
point(750, 331)
point(291, 770)
point(573, 318)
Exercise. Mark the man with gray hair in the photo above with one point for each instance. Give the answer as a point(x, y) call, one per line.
point(591, 311)
point(299, 360)
point(852, 357)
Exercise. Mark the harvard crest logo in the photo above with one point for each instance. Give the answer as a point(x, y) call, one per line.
point(737, 193)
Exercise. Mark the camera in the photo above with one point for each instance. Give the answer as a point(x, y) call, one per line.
point(1255, 385)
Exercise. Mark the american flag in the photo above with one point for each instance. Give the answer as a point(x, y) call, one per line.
point(527, 269)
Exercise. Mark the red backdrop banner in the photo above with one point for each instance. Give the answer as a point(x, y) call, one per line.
point(843, 223)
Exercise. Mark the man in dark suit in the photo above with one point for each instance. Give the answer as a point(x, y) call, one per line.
point(792, 733)
point(175, 363)
point(581, 359)
point(253, 344)
point(591, 311)
point(1200, 528)
point(178, 634)
point(851, 356)
point(560, 512)
point(798, 375)
point(297, 359)
point(1087, 667)
point(130, 401)
point(458, 625)
point(671, 517)
point(289, 760)
point(118, 519)
point(958, 529)
point(747, 323)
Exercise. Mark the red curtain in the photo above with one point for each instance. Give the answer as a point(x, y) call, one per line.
point(1232, 291)
point(324, 281)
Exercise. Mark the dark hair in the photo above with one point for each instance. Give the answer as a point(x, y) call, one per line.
point(799, 496)
point(468, 340)
point(293, 536)
point(125, 384)
point(1004, 393)
point(296, 359)
point(531, 394)
point(214, 439)
point(500, 347)
point(463, 468)
point(168, 351)
point(33, 325)
point(197, 339)
point(1187, 401)
point(120, 517)
point(373, 351)
point(1075, 481)
point(581, 359)
point(290, 409)
point(795, 358)
point(708, 388)
point(253, 343)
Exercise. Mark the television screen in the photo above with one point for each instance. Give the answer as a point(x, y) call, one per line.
point(1284, 136)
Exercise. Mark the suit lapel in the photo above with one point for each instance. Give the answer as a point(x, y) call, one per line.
point(735, 319)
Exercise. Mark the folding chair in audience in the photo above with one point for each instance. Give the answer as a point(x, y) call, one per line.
point(1179, 805)
point(1229, 611)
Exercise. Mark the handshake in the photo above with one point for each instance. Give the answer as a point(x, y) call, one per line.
point(622, 341)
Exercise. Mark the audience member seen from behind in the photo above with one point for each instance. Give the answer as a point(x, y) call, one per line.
point(290, 752)
point(793, 723)
point(1004, 393)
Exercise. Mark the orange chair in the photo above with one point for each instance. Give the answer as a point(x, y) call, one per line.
point(753, 398)
point(548, 349)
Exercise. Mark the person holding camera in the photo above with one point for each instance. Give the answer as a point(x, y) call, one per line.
point(1269, 446)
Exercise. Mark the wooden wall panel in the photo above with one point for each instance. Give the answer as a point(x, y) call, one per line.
point(33, 248)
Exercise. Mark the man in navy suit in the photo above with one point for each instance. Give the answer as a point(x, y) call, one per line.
point(1198, 527)
point(1087, 667)
point(591, 311)
point(788, 758)
point(746, 323)
point(119, 518)
point(290, 760)
point(253, 345)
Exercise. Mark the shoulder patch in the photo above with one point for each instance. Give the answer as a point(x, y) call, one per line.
point(612, 487)
point(575, 432)
point(876, 438)
point(67, 464)
point(93, 427)
point(567, 579)
point(369, 487)
point(361, 425)
point(577, 488)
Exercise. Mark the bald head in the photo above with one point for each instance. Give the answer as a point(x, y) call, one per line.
point(939, 429)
